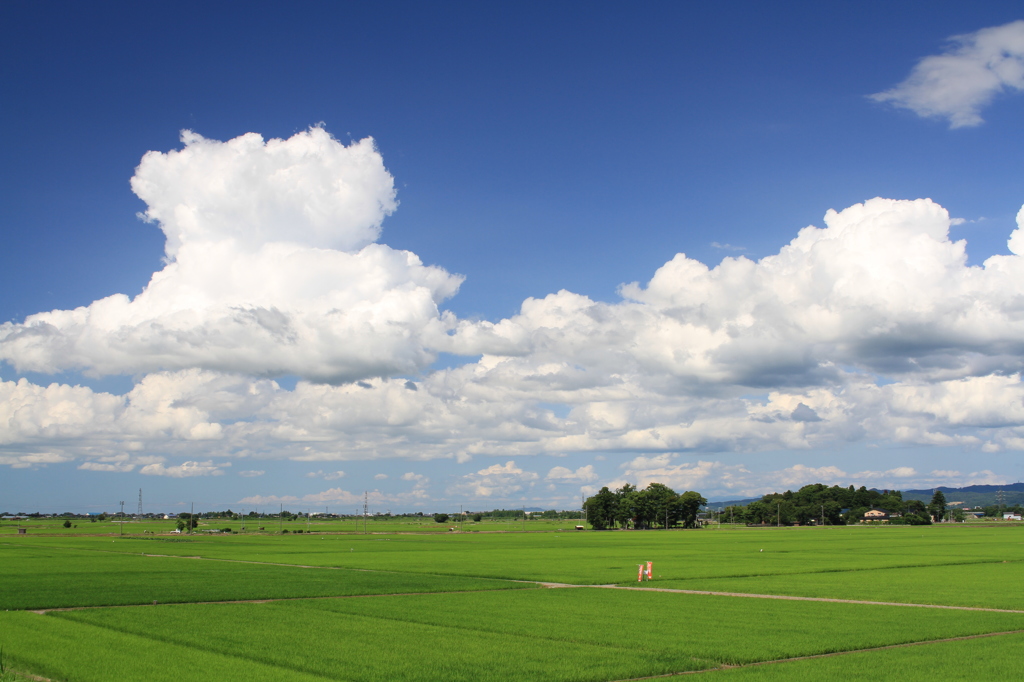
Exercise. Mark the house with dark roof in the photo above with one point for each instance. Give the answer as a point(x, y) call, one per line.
point(875, 514)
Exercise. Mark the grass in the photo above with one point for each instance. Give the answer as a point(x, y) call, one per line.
point(456, 626)
point(39, 578)
point(611, 557)
point(979, 585)
point(65, 650)
point(422, 524)
point(563, 634)
point(988, 658)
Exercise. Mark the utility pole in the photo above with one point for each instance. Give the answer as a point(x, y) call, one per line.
point(280, 519)
point(307, 520)
point(191, 517)
point(122, 517)
point(139, 515)
point(366, 509)
point(524, 518)
point(822, 515)
point(778, 515)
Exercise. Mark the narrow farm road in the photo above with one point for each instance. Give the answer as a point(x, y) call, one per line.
point(793, 598)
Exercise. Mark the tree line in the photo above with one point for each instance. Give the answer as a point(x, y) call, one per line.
point(820, 504)
point(656, 506)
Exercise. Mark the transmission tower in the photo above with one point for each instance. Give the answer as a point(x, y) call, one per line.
point(1001, 499)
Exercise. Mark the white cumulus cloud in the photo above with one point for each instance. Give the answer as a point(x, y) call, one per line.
point(584, 474)
point(271, 270)
point(497, 480)
point(871, 329)
point(327, 476)
point(183, 470)
point(958, 83)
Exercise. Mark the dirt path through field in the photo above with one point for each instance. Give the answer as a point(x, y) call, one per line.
point(829, 655)
point(793, 598)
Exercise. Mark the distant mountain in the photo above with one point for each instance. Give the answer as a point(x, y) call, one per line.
point(972, 495)
point(715, 504)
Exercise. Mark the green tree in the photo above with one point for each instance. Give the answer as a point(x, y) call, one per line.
point(916, 514)
point(657, 505)
point(687, 506)
point(600, 509)
point(477, 517)
point(937, 508)
point(67, 523)
point(441, 518)
point(627, 505)
point(833, 513)
point(760, 512)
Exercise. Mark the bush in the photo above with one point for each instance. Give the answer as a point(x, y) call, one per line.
point(441, 518)
point(225, 530)
point(477, 517)
point(67, 524)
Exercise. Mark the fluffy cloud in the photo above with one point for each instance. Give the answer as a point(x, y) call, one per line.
point(723, 480)
point(271, 270)
point(308, 189)
point(184, 470)
point(880, 288)
point(584, 474)
point(497, 480)
point(957, 84)
point(872, 328)
point(328, 476)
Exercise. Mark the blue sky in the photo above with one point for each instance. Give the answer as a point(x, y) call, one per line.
point(519, 150)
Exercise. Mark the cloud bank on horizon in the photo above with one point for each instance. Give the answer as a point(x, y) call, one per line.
point(872, 328)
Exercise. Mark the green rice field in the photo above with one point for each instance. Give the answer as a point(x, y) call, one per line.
point(516, 606)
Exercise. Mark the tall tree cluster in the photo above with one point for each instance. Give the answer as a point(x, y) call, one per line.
point(656, 506)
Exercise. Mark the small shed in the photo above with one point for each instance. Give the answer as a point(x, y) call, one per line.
point(22, 531)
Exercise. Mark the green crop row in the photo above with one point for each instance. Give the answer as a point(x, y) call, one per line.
point(719, 629)
point(561, 634)
point(37, 578)
point(609, 557)
point(978, 585)
point(987, 658)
